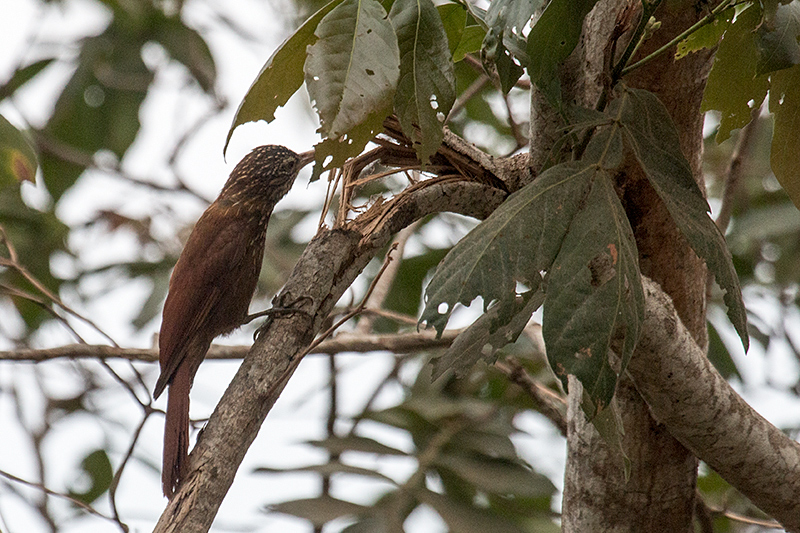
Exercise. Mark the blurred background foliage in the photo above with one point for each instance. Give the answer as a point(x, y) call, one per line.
point(466, 466)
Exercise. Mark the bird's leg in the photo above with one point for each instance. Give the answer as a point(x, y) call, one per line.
point(295, 306)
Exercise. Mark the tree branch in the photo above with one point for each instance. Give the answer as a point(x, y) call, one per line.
point(328, 266)
point(700, 409)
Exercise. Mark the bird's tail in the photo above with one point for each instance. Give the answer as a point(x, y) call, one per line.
point(176, 432)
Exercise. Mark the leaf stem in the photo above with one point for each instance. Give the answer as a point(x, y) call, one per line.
point(708, 19)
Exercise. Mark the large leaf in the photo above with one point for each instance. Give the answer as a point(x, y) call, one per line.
point(784, 103)
point(776, 43)
point(18, 160)
point(517, 242)
point(281, 76)
point(426, 89)
point(552, 39)
point(733, 83)
point(351, 73)
point(652, 135)
point(594, 292)
point(454, 21)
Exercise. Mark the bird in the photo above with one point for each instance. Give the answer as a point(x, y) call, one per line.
point(212, 284)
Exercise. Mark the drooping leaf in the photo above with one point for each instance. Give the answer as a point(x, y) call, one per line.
point(654, 140)
point(594, 291)
point(735, 67)
point(551, 40)
point(784, 103)
point(319, 511)
point(18, 161)
point(498, 326)
point(518, 241)
point(351, 73)
point(776, 43)
point(497, 476)
point(463, 518)
point(426, 89)
point(97, 467)
point(281, 76)
point(706, 37)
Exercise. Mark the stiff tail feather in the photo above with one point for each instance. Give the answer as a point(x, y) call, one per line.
point(176, 432)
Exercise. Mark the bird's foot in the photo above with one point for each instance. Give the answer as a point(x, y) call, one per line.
point(293, 307)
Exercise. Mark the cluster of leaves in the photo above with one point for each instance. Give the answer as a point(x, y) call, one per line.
point(569, 225)
point(361, 64)
point(758, 54)
point(461, 441)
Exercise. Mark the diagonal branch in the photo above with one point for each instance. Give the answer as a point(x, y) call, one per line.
point(328, 266)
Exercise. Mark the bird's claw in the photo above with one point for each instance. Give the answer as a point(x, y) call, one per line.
point(291, 308)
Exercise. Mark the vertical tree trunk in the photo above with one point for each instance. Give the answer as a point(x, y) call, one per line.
point(659, 496)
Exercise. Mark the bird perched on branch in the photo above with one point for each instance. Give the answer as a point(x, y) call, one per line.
point(212, 285)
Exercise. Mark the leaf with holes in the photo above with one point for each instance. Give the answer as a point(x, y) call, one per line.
point(653, 138)
point(515, 244)
point(281, 76)
point(551, 40)
point(497, 327)
point(506, 20)
point(351, 73)
point(594, 292)
point(426, 89)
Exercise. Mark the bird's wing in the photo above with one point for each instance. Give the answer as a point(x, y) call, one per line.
point(187, 308)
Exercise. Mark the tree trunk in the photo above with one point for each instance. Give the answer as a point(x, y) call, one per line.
point(659, 496)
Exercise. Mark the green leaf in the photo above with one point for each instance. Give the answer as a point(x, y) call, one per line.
point(518, 241)
point(426, 89)
point(319, 511)
point(281, 76)
point(18, 160)
point(463, 518)
point(404, 294)
point(22, 76)
point(497, 476)
point(593, 292)
point(506, 20)
point(708, 36)
point(551, 40)
point(351, 73)
point(454, 21)
point(784, 103)
point(470, 42)
point(189, 48)
point(97, 467)
point(735, 67)
point(776, 44)
point(652, 135)
point(499, 326)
